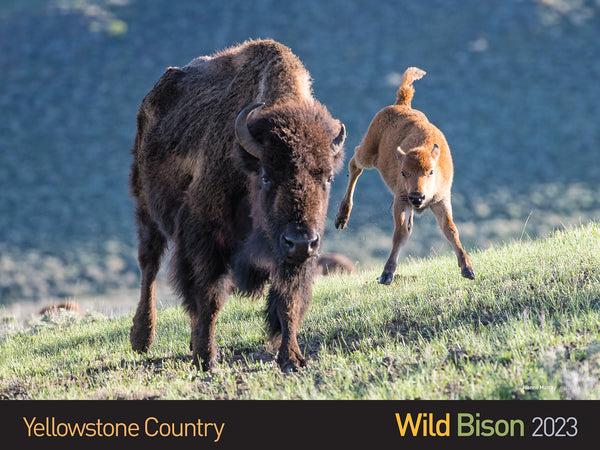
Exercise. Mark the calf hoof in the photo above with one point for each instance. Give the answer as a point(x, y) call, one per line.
point(342, 216)
point(340, 222)
point(141, 339)
point(467, 272)
point(386, 278)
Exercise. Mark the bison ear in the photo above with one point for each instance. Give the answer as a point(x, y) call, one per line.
point(400, 153)
point(435, 153)
point(338, 142)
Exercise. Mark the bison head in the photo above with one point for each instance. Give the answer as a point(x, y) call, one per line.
point(290, 153)
point(417, 173)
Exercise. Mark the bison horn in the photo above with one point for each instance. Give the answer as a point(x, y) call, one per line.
point(242, 134)
point(336, 145)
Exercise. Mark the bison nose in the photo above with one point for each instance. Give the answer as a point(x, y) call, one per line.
point(299, 246)
point(416, 198)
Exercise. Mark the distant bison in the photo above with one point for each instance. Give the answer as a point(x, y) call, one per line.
point(233, 161)
point(414, 160)
point(64, 306)
point(333, 264)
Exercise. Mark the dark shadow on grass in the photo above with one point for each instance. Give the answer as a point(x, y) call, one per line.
point(154, 365)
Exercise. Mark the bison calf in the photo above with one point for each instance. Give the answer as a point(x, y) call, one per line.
point(414, 160)
point(66, 306)
point(334, 264)
point(233, 161)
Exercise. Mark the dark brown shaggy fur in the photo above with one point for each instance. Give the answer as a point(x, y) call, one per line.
point(226, 211)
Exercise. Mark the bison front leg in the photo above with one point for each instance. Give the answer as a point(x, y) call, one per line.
point(285, 313)
point(443, 214)
point(203, 342)
point(151, 247)
point(403, 220)
point(290, 358)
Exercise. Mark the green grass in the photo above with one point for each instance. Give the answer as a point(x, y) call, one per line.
point(531, 318)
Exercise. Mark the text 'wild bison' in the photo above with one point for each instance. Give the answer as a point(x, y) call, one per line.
point(233, 161)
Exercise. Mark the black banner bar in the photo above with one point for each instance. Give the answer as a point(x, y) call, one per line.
point(272, 424)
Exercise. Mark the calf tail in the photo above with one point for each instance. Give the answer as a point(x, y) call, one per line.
point(406, 90)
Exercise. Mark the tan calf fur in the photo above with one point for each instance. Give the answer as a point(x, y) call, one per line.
point(414, 160)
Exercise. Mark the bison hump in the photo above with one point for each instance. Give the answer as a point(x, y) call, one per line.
point(166, 91)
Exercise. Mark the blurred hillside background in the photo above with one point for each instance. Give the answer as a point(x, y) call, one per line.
point(514, 85)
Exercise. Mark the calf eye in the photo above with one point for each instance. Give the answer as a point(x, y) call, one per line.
point(431, 173)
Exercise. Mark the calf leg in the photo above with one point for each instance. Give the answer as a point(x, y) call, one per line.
point(346, 206)
point(443, 214)
point(152, 244)
point(403, 220)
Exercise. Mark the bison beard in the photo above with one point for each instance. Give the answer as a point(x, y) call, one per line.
point(233, 159)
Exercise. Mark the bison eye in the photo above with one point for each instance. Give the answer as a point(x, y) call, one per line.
point(431, 173)
point(403, 174)
point(266, 180)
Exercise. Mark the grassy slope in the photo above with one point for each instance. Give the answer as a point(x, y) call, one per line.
point(532, 317)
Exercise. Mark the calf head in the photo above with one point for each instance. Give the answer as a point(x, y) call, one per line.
point(290, 153)
point(417, 174)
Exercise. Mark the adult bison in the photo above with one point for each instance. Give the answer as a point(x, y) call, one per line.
point(233, 161)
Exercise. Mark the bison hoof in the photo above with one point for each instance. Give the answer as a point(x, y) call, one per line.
point(141, 339)
point(467, 272)
point(291, 365)
point(206, 364)
point(210, 365)
point(386, 278)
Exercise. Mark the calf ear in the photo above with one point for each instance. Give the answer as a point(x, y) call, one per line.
point(435, 153)
point(400, 153)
